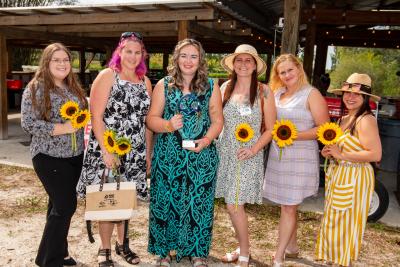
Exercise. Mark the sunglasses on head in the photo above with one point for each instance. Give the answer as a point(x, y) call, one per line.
point(130, 34)
point(357, 86)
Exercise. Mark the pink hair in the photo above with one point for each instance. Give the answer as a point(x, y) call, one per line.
point(115, 62)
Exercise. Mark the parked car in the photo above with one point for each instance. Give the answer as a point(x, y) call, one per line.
point(380, 197)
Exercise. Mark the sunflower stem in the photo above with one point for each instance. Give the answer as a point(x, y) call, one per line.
point(280, 153)
point(237, 183)
point(325, 164)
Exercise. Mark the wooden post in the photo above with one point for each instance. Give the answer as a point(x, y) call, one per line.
point(183, 29)
point(3, 89)
point(165, 62)
point(290, 34)
point(269, 68)
point(82, 66)
point(309, 50)
point(320, 63)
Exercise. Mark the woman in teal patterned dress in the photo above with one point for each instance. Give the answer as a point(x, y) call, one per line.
point(186, 112)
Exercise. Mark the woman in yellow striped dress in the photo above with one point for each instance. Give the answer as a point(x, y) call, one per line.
point(350, 180)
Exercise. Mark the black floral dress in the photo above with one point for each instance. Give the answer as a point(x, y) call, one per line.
point(125, 113)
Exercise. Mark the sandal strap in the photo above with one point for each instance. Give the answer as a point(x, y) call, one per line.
point(197, 262)
point(166, 261)
point(244, 258)
point(229, 255)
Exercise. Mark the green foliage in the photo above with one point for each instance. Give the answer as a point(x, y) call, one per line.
point(380, 64)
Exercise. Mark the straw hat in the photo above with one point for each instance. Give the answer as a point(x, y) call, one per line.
point(227, 61)
point(357, 78)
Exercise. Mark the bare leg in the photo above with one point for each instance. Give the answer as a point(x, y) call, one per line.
point(120, 232)
point(239, 220)
point(292, 246)
point(287, 226)
point(105, 231)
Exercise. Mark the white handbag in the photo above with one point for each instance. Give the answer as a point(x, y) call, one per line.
point(110, 201)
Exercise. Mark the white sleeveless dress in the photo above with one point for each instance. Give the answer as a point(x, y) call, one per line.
point(296, 176)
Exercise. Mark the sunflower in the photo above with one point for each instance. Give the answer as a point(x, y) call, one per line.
point(123, 146)
point(69, 109)
point(244, 132)
point(284, 133)
point(328, 133)
point(110, 141)
point(80, 119)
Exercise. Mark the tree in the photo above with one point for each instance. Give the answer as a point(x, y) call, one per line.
point(29, 56)
point(380, 64)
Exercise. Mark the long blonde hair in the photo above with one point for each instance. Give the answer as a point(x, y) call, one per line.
point(43, 79)
point(199, 83)
point(276, 82)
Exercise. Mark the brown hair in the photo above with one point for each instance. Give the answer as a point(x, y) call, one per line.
point(199, 84)
point(275, 81)
point(44, 79)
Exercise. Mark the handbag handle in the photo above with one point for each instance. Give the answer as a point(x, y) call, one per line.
point(103, 178)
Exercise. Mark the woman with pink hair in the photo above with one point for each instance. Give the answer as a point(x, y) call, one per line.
point(119, 101)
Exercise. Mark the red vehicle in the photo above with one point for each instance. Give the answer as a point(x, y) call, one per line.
point(380, 197)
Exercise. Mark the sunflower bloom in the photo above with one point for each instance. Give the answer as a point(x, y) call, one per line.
point(123, 146)
point(110, 141)
point(284, 133)
point(244, 133)
point(329, 133)
point(69, 110)
point(80, 119)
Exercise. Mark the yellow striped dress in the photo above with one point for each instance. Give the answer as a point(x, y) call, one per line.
point(348, 191)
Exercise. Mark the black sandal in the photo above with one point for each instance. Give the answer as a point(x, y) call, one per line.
point(126, 253)
point(106, 253)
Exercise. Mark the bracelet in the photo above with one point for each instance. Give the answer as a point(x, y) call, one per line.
point(208, 140)
point(168, 127)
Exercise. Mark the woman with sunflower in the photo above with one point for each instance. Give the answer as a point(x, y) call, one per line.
point(350, 179)
point(119, 102)
point(292, 173)
point(248, 106)
point(56, 164)
point(186, 112)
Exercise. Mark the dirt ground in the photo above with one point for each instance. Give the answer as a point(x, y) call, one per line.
point(22, 215)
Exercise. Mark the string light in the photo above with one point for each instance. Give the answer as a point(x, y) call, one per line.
point(374, 44)
point(373, 31)
point(389, 32)
point(219, 20)
point(342, 37)
point(231, 25)
point(252, 35)
point(365, 43)
point(327, 33)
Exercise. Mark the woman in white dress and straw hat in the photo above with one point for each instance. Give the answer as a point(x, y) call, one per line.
point(240, 173)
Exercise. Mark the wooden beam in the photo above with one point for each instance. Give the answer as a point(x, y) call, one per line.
point(107, 34)
point(291, 27)
point(309, 50)
point(350, 17)
point(211, 33)
point(183, 32)
point(98, 28)
point(162, 7)
point(15, 33)
point(3, 89)
point(122, 17)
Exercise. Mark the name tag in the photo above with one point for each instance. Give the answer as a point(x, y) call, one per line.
point(188, 144)
point(245, 111)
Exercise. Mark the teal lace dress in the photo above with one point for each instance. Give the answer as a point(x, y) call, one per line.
point(183, 182)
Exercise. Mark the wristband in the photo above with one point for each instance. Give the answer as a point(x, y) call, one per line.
point(168, 127)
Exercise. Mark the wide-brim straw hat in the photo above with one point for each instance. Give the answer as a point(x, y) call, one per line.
point(360, 78)
point(227, 61)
